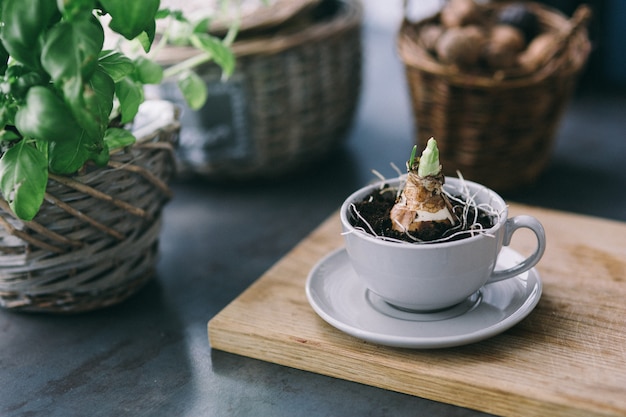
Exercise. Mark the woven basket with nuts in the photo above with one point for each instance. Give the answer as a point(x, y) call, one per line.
point(490, 81)
point(486, 39)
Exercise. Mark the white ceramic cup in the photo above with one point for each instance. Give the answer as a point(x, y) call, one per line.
point(435, 276)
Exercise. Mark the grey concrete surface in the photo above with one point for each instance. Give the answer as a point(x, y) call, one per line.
point(150, 355)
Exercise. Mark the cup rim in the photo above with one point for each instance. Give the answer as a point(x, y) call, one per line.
point(350, 229)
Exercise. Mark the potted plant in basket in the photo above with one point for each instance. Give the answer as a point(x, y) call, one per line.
point(84, 161)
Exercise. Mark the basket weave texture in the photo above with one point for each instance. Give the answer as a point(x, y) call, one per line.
point(300, 86)
point(95, 240)
point(496, 129)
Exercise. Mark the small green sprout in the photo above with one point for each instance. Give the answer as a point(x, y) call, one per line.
point(429, 161)
point(411, 165)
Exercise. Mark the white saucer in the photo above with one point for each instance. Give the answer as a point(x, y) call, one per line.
point(342, 300)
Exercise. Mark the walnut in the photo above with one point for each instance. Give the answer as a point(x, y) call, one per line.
point(429, 35)
point(503, 46)
point(461, 46)
point(538, 51)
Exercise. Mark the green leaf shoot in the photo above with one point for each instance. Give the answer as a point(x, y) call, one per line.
point(429, 161)
point(148, 71)
point(193, 88)
point(132, 18)
point(217, 50)
point(130, 94)
point(116, 138)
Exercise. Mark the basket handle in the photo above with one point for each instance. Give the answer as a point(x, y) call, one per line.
point(552, 60)
point(579, 20)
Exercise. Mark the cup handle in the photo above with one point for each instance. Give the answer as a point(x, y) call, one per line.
point(511, 226)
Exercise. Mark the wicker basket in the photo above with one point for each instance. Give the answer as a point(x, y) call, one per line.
point(496, 129)
point(290, 101)
point(95, 240)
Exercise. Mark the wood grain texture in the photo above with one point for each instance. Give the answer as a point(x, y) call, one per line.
point(567, 358)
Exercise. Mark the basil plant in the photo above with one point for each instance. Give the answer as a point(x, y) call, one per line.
point(60, 89)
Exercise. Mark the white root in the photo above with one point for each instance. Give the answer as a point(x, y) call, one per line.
point(395, 168)
point(379, 175)
point(355, 211)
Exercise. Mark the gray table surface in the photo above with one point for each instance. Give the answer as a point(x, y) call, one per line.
point(150, 356)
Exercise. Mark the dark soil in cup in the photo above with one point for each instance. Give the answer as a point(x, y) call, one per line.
point(375, 208)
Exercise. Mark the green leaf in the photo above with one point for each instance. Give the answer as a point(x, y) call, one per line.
point(412, 159)
point(73, 8)
point(71, 50)
point(42, 146)
point(23, 22)
point(45, 116)
point(102, 158)
point(148, 36)
point(23, 82)
point(4, 58)
point(8, 135)
point(7, 114)
point(145, 41)
point(220, 53)
point(164, 13)
point(116, 138)
point(130, 18)
point(193, 88)
point(92, 107)
point(68, 155)
point(429, 161)
point(148, 71)
point(130, 94)
point(100, 103)
point(202, 25)
point(179, 31)
point(116, 64)
point(23, 179)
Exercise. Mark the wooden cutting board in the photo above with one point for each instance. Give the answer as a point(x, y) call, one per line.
point(567, 358)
